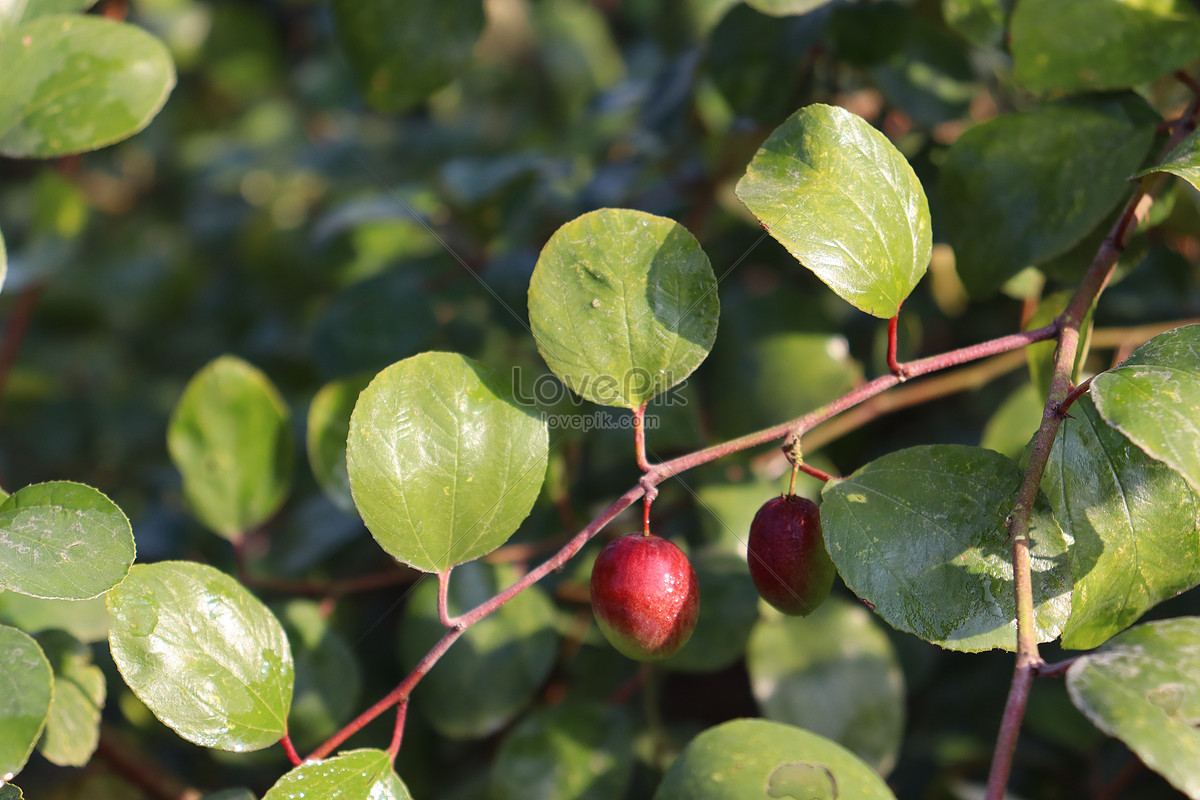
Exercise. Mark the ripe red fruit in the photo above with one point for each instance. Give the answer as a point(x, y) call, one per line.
point(645, 596)
point(787, 557)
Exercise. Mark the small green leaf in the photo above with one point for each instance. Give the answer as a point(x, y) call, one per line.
point(352, 775)
point(728, 609)
point(785, 8)
point(404, 50)
point(1093, 45)
point(229, 437)
point(1154, 399)
point(10, 792)
point(571, 751)
point(86, 620)
point(1014, 423)
point(1135, 525)
point(63, 540)
point(443, 462)
point(1023, 188)
point(1183, 161)
point(834, 673)
point(73, 726)
point(623, 305)
point(982, 22)
point(328, 678)
point(328, 429)
point(25, 702)
point(756, 758)
point(936, 563)
point(203, 654)
point(1143, 687)
point(842, 199)
point(76, 83)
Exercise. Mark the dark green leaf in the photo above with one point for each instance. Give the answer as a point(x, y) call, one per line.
point(1142, 687)
point(25, 702)
point(1025, 187)
point(785, 8)
point(404, 50)
point(728, 609)
point(203, 654)
point(982, 22)
point(73, 726)
point(352, 775)
point(1091, 45)
point(229, 437)
point(1183, 161)
point(76, 83)
point(755, 758)
point(328, 677)
point(834, 673)
point(443, 462)
point(63, 540)
point(328, 429)
point(935, 562)
point(86, 620)
point(623, 305)
point(10, 792)
point(1154, 399)
point(840, 197)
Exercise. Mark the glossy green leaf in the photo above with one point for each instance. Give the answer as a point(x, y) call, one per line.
point(404, 50)
point(86, 620)
point(1154, 399)
point(1183, 161)
point(77, 83)
point(328, 429)
point(623, 305)
point(352, 775)
point(1143, 687)
point(73, 726)
point(229, 438)
point(25, 702)
point(982, 22)
point(203, 654)
point(936, 563)
point(834, 673)
point(328, 678)
point(443, 462)
point(1135, 525)
point(497, 666)
point(1112, 44)
point(728, 609)
point(566, 752)
point(63, 540)
point(1014, 423)
point(842, 199)
point(755, 758)
point(785, 8)
point(1023, 188)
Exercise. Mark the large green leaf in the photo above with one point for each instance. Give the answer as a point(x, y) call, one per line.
point(834, 673)
point(75, 83)
point(623, 305)
point(352, 775)
point(1135, 525)
point(842, 199)
point(404, 50)
point(1154, 399)
point(443, 462)
point(756, 758)
point(230, 439)
point(27, 679)
point(1143, 687)
point(15, 12)
point(63, 540)
point(1183, 161)
point(203, 654)
point(1025, 187)
point(920, 534)
point(73, 726)
point(1090, 45)
point(328, 429)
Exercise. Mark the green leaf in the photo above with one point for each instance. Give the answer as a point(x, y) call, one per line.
point(229, 437)
point(982, 22)
point(203, 654)
point(571, 751)
point(935, 562)
point(328, 678)
point(755, 758)
point(834, 673)
point(25, 702)
point(15, 12)
point(1015, 422)
point(785, 8)
point(842, 200)
point(1154, 399)
point(1183, 161)
point(1142, 688)
point(497, 666)
point(1135, 525)
point(73, 726)
point(86, 620)
point(623, 305)
point(443, 462)
point(404, 50)
point(63, 540)
point(353, 775)
point(328, 429)
point(1023, 188)
point(728, 609)
point(10, 792)
point(1092, 45)
point(231, 794)
point(77, 83)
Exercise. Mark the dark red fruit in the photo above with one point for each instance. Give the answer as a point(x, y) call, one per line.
point(787, 557)
point(645, 596)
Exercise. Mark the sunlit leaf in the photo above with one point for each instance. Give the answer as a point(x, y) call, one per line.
point(328, 429)
point(73, 726)
point(352, 775)
point(86, 620)
point(1183, 161)
point(25, 702)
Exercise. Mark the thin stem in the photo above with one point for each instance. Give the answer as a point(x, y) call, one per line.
point(290, 749)
point(792, 481)
point(443, 600)
point(893, 336)
point(814, 472)
point(398, 730)
point(1056, 669)
point(639, 437)
point(1073, 395)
